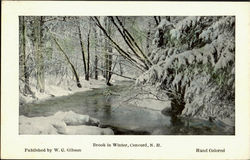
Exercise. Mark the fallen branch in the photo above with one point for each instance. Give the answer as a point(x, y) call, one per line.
point(117, 74)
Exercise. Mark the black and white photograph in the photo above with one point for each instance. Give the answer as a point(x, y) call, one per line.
point(127, 75)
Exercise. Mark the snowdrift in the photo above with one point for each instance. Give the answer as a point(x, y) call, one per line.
point(69, 123)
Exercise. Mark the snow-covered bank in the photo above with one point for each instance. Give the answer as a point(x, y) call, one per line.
point(149, 101)
point(144, 97)
point(214, 110)
point(152, 104)
point(62, 123)
point(55, 87)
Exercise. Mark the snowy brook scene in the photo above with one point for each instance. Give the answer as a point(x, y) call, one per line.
point(127, 75)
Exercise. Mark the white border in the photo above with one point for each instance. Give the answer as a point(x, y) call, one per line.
point(174, 147)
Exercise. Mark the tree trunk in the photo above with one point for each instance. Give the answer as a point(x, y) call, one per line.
point(159, 18)
point(131, 43)
point(109, 65)
point(123, 53)
point(156, 20)
point(168, 18)
point(108, 54)
point(88, 57)
point(39, 55)
point(71, 65)
point(118, 74)
point(82, 50)
point(120, 66)
point(148, 40)
point(27, 89)
point(101, 41)
point(96, 58)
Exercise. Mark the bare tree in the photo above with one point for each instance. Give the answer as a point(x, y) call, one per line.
point(131, 42)
point(96, 57)
point(69, 62)
point(135, 62)
point(157, 20)
point(23, 57)
point(108, 53)
point(82, 51)
point(38, 33)
point(88, 52)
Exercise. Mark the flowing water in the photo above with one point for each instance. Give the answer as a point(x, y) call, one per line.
point(124, 119)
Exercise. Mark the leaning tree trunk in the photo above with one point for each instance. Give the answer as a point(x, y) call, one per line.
point(131, 43)
point(133, 61)
point(69, 62)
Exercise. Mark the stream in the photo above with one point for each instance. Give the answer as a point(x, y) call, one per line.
point(124, 120)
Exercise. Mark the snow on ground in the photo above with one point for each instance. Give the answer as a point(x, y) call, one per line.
point(152, 104)
point(62, 123)
point(146, 97)
point(116, 78)
point(55, 87)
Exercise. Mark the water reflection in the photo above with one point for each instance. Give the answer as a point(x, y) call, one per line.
point(126, 119)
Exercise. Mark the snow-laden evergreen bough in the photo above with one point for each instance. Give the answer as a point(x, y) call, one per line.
point(194, 64)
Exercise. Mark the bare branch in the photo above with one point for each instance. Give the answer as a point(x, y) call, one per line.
point(118, 74)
